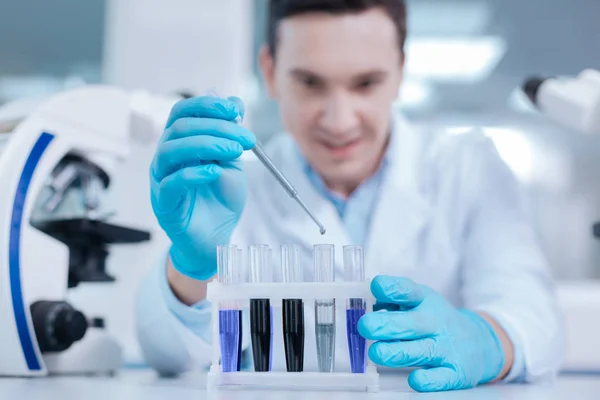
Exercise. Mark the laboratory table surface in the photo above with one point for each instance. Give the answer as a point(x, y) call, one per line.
point(144, 384)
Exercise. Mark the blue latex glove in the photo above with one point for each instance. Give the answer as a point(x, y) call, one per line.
point(455, 348)
point(198, 188)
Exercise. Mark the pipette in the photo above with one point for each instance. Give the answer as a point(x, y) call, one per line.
point(262, 156)
point(266, 161)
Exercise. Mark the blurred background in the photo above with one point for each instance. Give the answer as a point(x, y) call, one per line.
point(465, 62)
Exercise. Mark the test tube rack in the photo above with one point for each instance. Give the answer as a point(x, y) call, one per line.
point(276, 292)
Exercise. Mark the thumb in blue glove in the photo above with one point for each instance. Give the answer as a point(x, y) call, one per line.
point(455, 348)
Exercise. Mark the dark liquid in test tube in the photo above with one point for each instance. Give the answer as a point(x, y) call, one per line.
point(292, 310)
point(293, 334)
point(261, 313)
point(261, 326)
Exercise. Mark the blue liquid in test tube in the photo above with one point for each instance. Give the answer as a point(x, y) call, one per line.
point(229, 270)
point(355, 308)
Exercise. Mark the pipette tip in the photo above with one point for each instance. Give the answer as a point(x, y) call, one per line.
point(322, 230)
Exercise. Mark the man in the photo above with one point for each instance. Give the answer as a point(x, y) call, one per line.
point(469, 297)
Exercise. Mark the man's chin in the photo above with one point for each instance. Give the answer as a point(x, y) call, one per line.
point(342, 176)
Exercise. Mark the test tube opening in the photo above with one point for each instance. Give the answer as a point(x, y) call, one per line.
point(324, 262)
point(291, 269)
point(354, 271)
point(261, 263)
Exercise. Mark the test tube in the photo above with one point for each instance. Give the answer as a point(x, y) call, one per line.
point(261, 313)
point(239, 277)
point(323, 257)
point(230, 311)
point(354, 271)
point(293, 311)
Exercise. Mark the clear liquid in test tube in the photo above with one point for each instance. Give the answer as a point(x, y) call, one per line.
point(324, 265)
point(354, 271)
point(229, 270)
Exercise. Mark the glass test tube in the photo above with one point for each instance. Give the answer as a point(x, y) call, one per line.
point(240, 278)
point(293, 311)
point(323, 258)
point(261, 313)
point(354, 271)
point(229, 270)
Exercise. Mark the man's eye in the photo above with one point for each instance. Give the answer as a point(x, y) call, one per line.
point(363, 85)
point(311, 82)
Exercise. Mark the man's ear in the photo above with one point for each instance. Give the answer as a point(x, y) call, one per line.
point(402, 68)
point(267, 66)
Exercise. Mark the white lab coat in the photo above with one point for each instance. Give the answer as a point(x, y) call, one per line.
point(448, 215)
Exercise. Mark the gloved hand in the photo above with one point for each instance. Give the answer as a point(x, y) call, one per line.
point(198, 188)
point(456, 349)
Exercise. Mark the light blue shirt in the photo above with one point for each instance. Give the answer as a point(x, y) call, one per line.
point(355, 211)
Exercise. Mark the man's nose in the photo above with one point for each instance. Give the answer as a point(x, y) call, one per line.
point(339, 115)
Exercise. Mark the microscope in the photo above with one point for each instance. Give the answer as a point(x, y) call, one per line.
point(573, 102)
point(57, 156)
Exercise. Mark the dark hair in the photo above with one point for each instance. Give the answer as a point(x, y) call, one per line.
point(282, 9)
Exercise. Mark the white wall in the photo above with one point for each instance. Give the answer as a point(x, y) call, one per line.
point(162, 47)
point(179, 44)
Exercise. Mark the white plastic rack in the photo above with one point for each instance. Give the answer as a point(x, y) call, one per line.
point(276, 292)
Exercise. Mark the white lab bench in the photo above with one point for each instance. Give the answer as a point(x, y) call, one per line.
point(145, 385)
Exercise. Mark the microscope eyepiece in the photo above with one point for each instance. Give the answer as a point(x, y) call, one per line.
point(531, 88)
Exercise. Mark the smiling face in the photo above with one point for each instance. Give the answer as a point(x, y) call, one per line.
point(335, 78)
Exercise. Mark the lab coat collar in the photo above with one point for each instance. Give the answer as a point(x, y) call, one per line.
point(400, 214)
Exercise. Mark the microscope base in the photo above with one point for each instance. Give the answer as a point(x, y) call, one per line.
point(96, 354)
